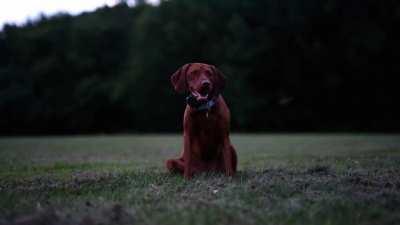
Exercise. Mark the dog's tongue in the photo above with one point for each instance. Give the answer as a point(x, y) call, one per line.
point(202, 98)
point(199, 97)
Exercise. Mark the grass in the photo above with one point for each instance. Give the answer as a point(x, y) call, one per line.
point(282, 179)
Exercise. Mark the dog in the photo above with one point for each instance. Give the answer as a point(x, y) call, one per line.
point(206, 123)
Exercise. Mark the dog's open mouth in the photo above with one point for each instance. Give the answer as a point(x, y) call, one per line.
point(200, 97)
point(202, 94)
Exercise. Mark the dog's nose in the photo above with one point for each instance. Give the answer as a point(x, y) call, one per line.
point(205, 83)
point(205, 87)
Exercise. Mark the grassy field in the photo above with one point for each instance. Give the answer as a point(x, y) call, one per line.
point(282, 179)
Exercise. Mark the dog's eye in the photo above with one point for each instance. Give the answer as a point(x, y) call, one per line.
point(208, 74)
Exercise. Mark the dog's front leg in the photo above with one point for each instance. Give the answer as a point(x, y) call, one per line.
point(187, 156)
point(229, 160)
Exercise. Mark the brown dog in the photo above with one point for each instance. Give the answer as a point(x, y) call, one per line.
point(207, 146)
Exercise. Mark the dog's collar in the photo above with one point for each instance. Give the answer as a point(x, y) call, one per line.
point(206, 106)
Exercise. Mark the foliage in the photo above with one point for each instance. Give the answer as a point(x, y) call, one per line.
point(291, 66)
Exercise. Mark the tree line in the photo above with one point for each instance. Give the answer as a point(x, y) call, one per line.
point(290, 66)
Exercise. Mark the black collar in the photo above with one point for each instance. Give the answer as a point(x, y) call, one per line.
point(200, 106)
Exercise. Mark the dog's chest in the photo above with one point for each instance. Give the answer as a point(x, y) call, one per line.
point(205, 124)
point(207, 134)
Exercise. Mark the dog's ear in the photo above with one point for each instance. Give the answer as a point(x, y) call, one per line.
point(219, 79)
point(178, 79)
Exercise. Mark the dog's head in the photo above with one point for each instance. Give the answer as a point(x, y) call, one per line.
point(203, 81)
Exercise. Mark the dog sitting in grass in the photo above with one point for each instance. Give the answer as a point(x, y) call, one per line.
point(206, 143)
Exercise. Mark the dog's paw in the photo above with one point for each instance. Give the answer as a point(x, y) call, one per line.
point(229, 172)
point(188, 174)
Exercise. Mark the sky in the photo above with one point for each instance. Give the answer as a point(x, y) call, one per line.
point(18, 11)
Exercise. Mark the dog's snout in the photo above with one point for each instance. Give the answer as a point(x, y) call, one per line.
point(205, 87)
point(205, 83)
